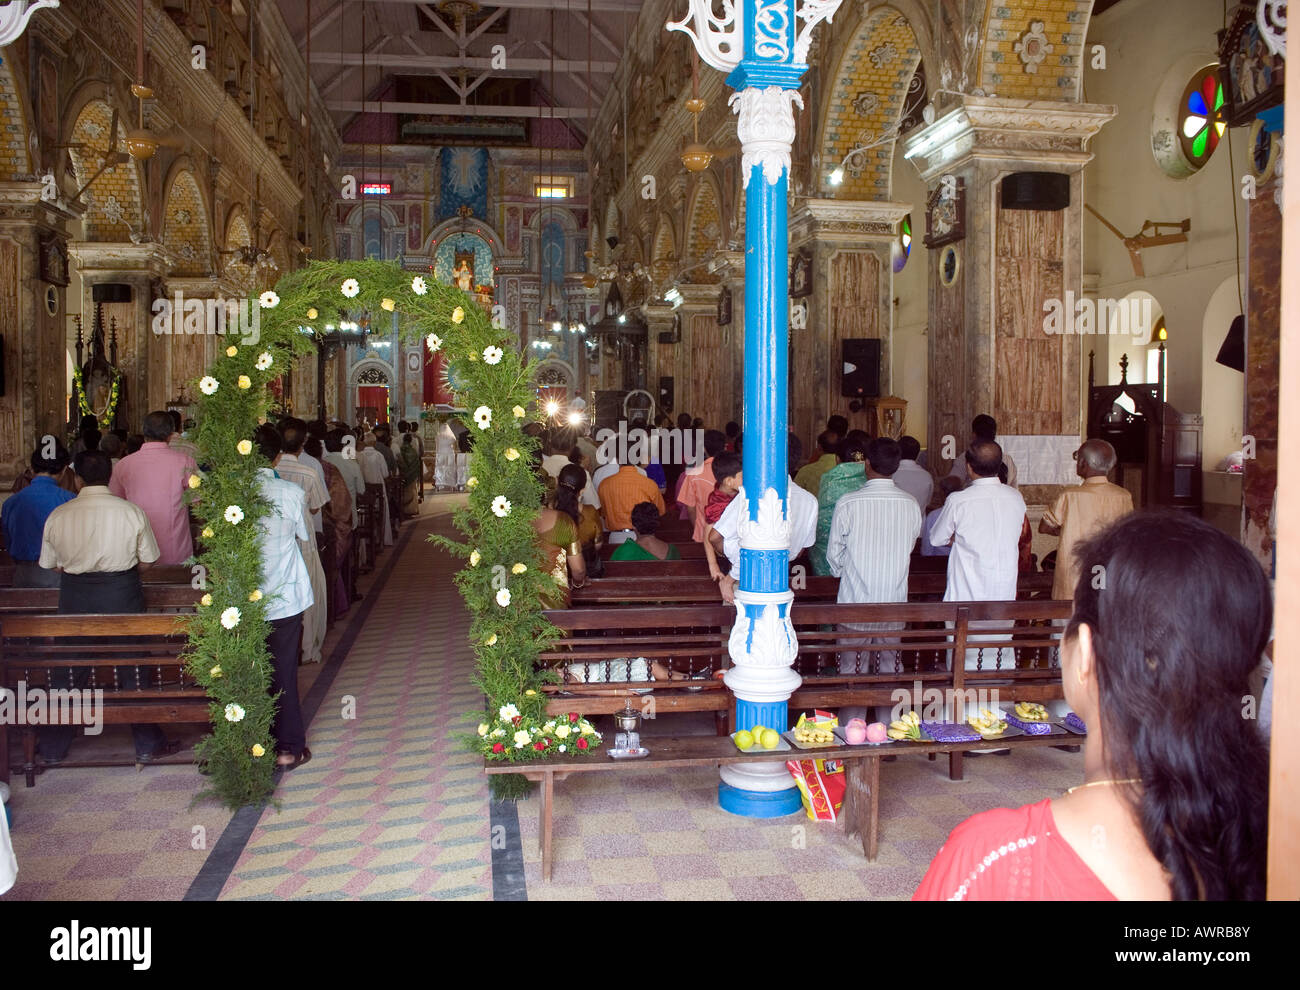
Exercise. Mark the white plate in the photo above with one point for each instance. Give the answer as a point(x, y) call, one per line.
point(781, 747)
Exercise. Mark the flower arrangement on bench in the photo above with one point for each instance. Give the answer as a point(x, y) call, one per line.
point(516, 736)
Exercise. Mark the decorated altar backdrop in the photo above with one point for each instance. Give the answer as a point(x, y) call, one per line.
point(373, 397)
point(444, 259)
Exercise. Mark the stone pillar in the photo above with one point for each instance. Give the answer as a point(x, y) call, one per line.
point(143, 267)
point(851, 244)
point(989, 349)
point(33, 317)
point(704, 358)
point(183, 354)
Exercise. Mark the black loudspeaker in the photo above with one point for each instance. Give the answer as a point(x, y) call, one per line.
point(1232, 354)
point(110, 292)
point(1036, 191)
point(665, 394)
point(861, 367)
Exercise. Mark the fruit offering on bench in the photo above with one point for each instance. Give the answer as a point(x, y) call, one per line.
point(877, 732)
point(814, 734)
point(1031, 711)
point(908, 727)
point(1072, 721)
point(1030, 718)
point(987, 724)
point(855, 732)
point(947, 732)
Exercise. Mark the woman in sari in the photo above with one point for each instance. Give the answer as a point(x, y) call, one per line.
point(558, 531)
point(646, 546)
point(846, 476)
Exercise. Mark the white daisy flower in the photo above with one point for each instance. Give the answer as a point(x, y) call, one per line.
point(350, 287)
point(503, 597)
point(418, 286)
point(234, 515)
point(264, 360)
point(230, 617)
point(492, 355)
point(501, 507)
point(208, 385)
point(434, 341)
point(268, 300)
point(483, 417)
point(234, 713)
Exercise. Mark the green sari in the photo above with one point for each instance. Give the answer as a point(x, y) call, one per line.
point(837, 482)
point(631, 550)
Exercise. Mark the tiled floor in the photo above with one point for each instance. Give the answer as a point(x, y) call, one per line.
point(391, 807)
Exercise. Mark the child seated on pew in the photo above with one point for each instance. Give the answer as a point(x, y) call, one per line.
point(727, 471)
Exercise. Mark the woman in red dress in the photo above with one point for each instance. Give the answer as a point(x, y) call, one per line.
point(1175, 793)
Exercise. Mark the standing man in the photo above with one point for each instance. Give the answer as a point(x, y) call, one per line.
point(910, 476)
point(809, 477)
point(23, 517)
point(156, 478)
point(983, 523)
point(101, 543)
point(375, 470)
point(873, 530)
point(287, 586)
point(293, 434)
point(984, 429)
point(1083, 511)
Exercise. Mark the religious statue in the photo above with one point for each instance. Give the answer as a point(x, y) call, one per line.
point(463, 276)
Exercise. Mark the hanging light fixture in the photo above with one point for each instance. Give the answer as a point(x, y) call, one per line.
point(695, 156)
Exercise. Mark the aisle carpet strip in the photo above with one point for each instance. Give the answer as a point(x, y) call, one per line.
point(225, 854)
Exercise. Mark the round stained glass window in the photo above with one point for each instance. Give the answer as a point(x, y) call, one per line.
point(1200, 122)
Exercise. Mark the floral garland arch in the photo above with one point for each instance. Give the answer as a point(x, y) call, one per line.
point(504, 581)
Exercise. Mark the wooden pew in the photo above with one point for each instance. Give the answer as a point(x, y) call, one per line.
point(34, 647)
point(168, 574)
point(157, 598)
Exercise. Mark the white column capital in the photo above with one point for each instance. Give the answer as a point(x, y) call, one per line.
point(766, 129)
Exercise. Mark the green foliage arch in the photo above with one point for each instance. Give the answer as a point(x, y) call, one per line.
point(229, 659)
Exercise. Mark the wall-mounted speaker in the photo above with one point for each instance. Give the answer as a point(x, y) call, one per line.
point(860, 358)
point(1036, 191)
point(1233, 352)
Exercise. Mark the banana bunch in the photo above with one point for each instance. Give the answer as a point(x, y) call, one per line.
point(907, 727)
point(987, 724)
point(1031, 711)
point(814, 734)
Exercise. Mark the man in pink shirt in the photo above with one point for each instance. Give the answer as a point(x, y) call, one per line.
point(696, 488)
point(156, 478)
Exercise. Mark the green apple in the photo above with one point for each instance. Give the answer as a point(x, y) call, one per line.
point(770, 739)
point(744, 739)
point(757, 732)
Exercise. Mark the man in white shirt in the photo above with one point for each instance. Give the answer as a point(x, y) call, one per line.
point(287, 587)
point(800, 511)
point(911, 477)
point(983, 524)
point(872, 534)
point(349, 467)
point(293, 434)
point(984, 429)
point(374, 469)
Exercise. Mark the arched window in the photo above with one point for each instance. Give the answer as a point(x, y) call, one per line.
point(903, 246)
point(1200, 116)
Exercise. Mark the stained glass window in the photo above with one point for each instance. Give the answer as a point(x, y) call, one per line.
point(1201, 122)
point(903, 247)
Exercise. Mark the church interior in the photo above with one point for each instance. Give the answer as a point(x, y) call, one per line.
point(1067, 216)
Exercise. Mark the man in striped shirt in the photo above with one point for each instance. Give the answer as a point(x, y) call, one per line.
point(873, 531)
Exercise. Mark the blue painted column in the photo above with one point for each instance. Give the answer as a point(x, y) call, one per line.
point(763, 45)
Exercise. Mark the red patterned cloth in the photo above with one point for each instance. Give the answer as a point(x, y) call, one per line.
point(718, 501)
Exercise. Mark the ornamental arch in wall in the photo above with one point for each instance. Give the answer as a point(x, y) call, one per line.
point(114, 199)
point(704, 226)
point(15, 159)
point(186, 230)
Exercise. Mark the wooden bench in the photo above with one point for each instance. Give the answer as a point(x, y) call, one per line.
point(39, 601)
point(165, 574)
point(860, 813)
point(33, 648)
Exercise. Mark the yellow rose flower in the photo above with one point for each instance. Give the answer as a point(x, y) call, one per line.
point(205, 600)
point(311, 313)
point(215, 671)
point(387, 305)
point(512, 454)
point(195, 481)
point(491, 640)
point(519, 568)
point(207, 532)
point(482, 729)
point(232, 350)
point(245, 447)
point(474, 558)
point(457, 315)
point(519, 412)
point(530, 692)
point(562, 731)
point(471, 482)
point(258, 750)
point(255, 595)
point(245, 381)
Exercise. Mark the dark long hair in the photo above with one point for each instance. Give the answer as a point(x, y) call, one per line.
point(1180, 614)
point(568, 487)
